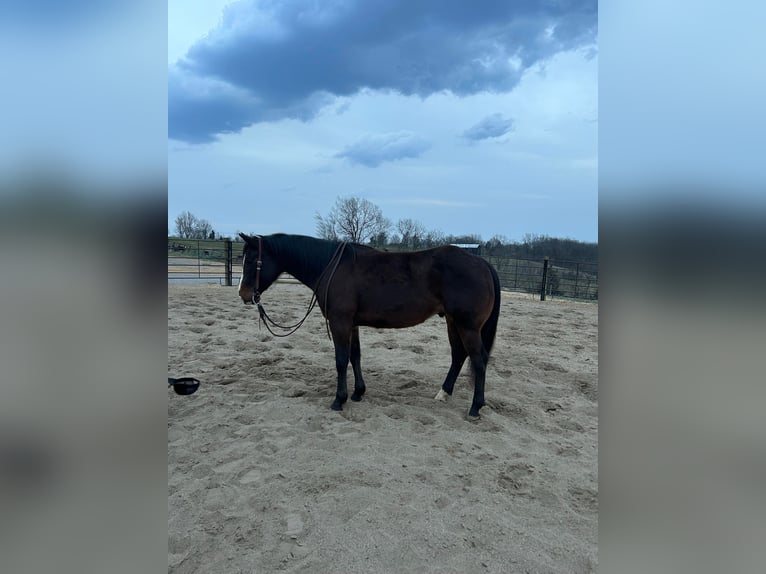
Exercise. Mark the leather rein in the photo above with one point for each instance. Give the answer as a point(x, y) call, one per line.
point(256, 300)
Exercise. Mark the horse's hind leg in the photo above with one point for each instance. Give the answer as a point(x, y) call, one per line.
point(479, 359)
point(473, 346)
point(356, 365)
point(459, 355)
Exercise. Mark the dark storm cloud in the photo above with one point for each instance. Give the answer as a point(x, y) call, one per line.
point(279, 55)
point(376, 149)
point(199, 109)
point(490, 127)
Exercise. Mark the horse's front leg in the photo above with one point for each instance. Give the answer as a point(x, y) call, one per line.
point(342, 339)
point(356, 365)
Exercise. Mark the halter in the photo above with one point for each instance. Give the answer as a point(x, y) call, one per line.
point(258, 264)
point(256, 300)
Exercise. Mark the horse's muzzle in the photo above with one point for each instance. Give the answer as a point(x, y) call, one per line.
point(247, 295)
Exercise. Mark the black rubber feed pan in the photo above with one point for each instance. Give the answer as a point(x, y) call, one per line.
point(184, 385)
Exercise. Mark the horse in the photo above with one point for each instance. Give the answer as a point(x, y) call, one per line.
point(356, 285)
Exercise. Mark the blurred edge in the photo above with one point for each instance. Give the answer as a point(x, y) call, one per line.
point(83, 480)
point(682, 466)
point(82, 407)
point(682, 230)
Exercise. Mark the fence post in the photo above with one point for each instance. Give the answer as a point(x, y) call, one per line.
point(227, 243)
point(545, 279)
point(577, 277)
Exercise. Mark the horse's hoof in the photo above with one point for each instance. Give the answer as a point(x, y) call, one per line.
point(442, 396)
point(336, 406)
point(472, 418)
point(356, 398)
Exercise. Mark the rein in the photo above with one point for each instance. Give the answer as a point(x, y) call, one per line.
point(336, 258)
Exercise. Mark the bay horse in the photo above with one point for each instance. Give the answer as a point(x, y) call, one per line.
point(356, 285)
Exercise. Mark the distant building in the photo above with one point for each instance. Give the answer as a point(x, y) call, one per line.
point(472, 247)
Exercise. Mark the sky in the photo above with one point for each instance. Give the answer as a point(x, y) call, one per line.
point(80, 95)
point(471, 118)
point(681, 100)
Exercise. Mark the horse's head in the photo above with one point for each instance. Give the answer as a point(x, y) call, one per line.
point(257, 253)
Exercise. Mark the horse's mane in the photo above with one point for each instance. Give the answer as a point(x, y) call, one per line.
point(310, 253)
point(313, 246)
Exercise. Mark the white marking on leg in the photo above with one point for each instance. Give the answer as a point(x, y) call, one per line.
point(442, 396)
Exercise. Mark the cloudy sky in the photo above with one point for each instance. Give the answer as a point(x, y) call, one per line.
point(469, 117)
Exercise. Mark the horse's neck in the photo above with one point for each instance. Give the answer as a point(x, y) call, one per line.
point(307, 263)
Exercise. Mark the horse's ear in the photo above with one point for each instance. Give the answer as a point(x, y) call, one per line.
point(246, 238)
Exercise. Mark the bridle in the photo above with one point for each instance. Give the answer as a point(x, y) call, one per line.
point(256, 299)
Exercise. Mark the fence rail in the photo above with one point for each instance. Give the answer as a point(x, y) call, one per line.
point(209, 261)
point(203, 261)
point(548, 277)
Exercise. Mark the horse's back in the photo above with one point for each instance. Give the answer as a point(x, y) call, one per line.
point(402, 289)
point(393, 289)
point(451, 269)
point(430, 269)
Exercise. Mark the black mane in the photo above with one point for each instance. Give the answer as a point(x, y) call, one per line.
point(308, 256)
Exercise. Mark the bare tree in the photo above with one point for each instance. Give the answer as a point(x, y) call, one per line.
point(326, 226)
point(496, 243)
point(185, 223)
point(189, 227)
point(379, 240)
point(434, 238)
point(353, 219)
point(412, 232)
point(202, 229)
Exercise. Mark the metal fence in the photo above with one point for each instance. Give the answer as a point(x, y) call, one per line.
point(203, 261)
point(220, 262)
point(548, 278)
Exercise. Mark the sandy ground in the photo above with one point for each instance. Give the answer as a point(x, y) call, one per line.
point(264, 477)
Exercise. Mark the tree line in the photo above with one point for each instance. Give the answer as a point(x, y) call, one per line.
point(360, 221)
point(188, 226)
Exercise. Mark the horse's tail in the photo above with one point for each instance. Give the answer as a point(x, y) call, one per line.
point(490, 326)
